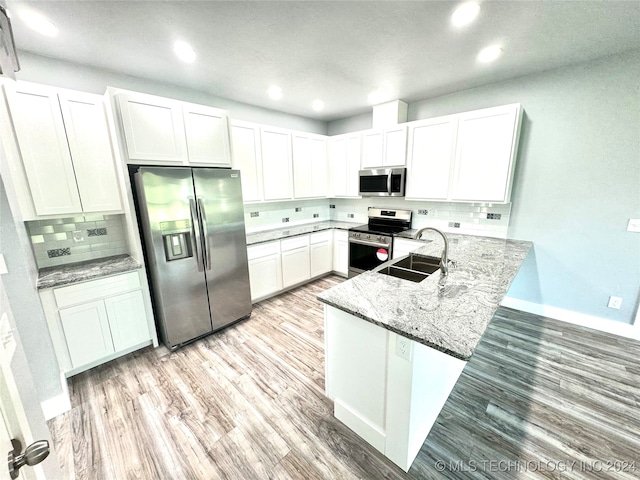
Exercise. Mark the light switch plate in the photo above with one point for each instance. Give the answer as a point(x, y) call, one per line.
point(615, 302)
point(633, 225)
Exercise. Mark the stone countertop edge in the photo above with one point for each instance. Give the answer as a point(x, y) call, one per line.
point(60, 275)
point(450, 318)
point(295, 230)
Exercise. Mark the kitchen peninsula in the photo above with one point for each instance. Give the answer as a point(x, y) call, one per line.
point(394, 349)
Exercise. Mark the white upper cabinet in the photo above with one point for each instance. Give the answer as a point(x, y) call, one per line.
point(161, 130)
point(385, 147)
point(153, 128)
point(245, 140)
point(309, 165)
point(430, 159)
point(276, 163)
point(395, 146)
point(485, 151)
point(372, 143)
point(65, 148)
point(91, 151)
point(207, 132)
point(345, 163)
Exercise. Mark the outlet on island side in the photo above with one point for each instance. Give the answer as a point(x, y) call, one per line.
point(615, 302)
point(403, 347)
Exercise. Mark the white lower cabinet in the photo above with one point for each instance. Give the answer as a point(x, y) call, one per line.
point(341, 252)
point(265, 269)
point(321, 252)
point(296, 267)
point(96, 321)
point(278, 265)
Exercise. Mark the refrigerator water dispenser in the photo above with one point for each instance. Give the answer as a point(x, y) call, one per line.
point(177, 245)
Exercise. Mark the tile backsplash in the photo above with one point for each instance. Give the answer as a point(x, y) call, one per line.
point(264, 216)
point(75, 239)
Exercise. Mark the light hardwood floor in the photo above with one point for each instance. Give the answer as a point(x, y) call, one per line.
point(248, 403)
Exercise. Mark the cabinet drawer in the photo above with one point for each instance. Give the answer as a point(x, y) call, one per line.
point(295, 242)
point(320, 237)
point(262, 250)
point(95, 289)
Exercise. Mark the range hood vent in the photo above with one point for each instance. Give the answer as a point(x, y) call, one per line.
point(389, 114)
point(8, 57)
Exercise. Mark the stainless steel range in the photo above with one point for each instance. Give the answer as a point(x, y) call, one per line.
point(372, 244)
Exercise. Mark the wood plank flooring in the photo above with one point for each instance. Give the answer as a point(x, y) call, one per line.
point(248, 403)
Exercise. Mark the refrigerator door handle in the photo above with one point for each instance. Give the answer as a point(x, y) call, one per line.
point(195, 226)
point(205, 230)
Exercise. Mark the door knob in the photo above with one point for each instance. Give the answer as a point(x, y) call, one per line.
point(33, 455)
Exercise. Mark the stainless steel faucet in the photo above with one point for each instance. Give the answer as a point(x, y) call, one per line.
point(444, 258)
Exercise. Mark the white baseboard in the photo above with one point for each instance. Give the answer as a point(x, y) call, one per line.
point(59, 404)
point(582, 319)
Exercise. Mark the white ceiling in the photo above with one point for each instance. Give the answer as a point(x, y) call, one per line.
point(336, 51)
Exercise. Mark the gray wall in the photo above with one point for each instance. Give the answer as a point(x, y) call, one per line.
point(57, 73)
point(577, 180)
point(19, 285)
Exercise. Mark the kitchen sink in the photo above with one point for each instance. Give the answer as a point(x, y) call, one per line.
point(414, 268)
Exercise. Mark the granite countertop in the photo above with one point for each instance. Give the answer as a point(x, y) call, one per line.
point(449, 314)
point(50, 277)
point(280, 233)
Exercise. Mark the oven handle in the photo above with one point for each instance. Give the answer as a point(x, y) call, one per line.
point(370, 244)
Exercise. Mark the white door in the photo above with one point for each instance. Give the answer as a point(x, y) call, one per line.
point(20, 414)
point(91, 152)
point(265, 275)
point(127, 320)
point(245, 141)
point(341, 252)
point(395, 146)
point(485, 149)
point(431, 154)
point(207, 133)
point(276, 163)
point(39, 128)
point(302, 165)
point(354, 148)
point(295, 266)
point(338, 163)
point(321, 258)
point(372, 143)
point(153, 129)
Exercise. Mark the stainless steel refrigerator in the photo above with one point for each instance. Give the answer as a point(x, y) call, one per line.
point(193, 227)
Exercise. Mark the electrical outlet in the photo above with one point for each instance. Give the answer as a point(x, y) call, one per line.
point(423, 212)
point(615, 302)
point(633, 225)
point(285, 219)
point(403, 347)
point(78, 236)
point(298, 209)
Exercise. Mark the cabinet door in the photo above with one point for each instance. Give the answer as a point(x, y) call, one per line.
point(372, 142)
point(431, 154)
point(127, 320)
point(295, 266)
point(265, 276)
point(276, 163)
point(485, 150)
point(39, 128)
point(207, 133)
point(153, 128)
point(338, 163)
point(319, 175)
point(395, 146)
point(86, 330)
point(302, 166)
point(91, 152)
point(341, 252)
point(245, 139)
point(354, 147)
point(321, 258)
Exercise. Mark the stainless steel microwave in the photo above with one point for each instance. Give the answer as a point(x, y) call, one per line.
point(383, 182)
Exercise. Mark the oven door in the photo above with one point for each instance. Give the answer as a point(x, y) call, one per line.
point(366, 255)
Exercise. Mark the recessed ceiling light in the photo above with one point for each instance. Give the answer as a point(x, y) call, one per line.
point(317, 105)
point(489, 54)
point(184, 51)
point(38, 22)
point(465, 14)
point(275, 92)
